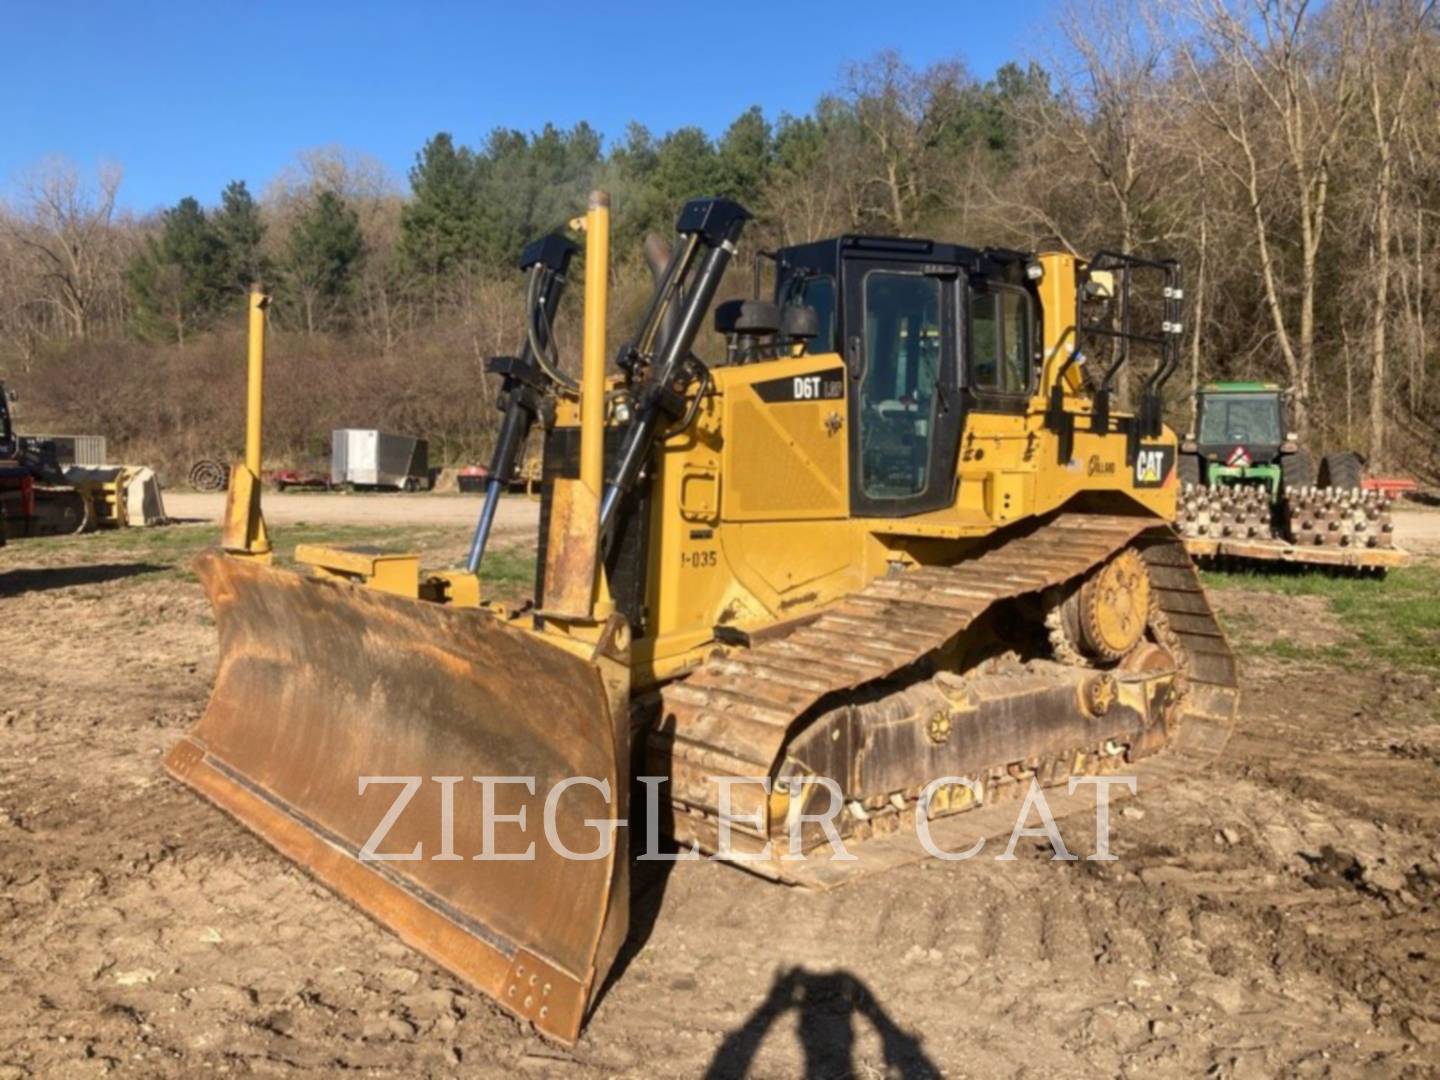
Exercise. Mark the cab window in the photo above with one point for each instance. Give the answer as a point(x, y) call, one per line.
point(1253, 419)
point(1000, 340)
point(898, 392)
point(818, 292)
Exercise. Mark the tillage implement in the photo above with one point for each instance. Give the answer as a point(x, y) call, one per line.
point(1250, 491)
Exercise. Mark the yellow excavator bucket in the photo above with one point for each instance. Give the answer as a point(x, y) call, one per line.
point(323, 683)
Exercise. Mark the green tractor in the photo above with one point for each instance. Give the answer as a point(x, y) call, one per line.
point(1249, 489)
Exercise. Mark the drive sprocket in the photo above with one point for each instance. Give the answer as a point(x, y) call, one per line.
point(1105, 618)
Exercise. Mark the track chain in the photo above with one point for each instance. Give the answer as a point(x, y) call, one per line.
point(734, 714)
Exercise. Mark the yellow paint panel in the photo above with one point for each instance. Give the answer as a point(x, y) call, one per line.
point(781, 461)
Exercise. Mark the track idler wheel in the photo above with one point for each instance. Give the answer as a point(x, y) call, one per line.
point(1106, 616)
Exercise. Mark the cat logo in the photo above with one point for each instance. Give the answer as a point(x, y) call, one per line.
point(1152, 465)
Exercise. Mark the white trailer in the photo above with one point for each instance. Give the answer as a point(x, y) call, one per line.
point(366, 458)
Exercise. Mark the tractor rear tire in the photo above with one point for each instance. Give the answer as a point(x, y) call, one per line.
point(1297, 470)
point(1343, 470)
point(1189, 469)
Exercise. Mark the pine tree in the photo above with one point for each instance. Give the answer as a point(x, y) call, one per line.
point(323, 258)
point(656, 177)
point(439, 226)
point(745, 154)
point(531, 184)
point(237, 224)
point(177, 282)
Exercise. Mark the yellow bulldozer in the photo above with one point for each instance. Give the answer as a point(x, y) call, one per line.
point(897, 555)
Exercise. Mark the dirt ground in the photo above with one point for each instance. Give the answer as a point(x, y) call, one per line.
point(1417, 528)
point(349, 508)
point(1276, 915)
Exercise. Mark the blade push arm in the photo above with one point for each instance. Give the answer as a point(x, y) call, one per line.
point(709, 230)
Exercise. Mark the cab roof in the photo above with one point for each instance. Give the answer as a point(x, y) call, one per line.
point(824, 256)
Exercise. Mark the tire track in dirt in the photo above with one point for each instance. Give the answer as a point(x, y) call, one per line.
point(1275, 916)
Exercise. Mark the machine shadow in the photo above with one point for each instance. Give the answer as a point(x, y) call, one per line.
point(41, 579)
point(828, 1004)
point(648, 881)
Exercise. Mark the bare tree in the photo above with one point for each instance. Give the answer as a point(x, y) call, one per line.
point(1392, 39)
point(1107, 111)
point(26, 320)
point(65, 226)
point(354, 174)
point(808, 193)
point(1261, 76)
point(903, 113)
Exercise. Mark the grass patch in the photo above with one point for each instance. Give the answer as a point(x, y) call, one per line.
point(168, 543)
point(508, 573)
point(509, 566)
point(1395, 620)
point(184, 541)
point(171, 549)
point(1343, 654)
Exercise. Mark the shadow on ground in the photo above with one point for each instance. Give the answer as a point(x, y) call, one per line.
point(648, 881)
point(40, 579)
point(828, 1005)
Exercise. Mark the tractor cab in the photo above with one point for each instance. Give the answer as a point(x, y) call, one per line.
point(1240, 438)
point(1248, 415)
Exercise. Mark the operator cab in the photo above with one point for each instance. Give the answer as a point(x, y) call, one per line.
point(926, 331)
point(1246, 415)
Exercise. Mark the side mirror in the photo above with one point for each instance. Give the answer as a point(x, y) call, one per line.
point(799, 322)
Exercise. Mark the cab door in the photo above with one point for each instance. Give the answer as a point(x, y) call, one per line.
point(904, 402)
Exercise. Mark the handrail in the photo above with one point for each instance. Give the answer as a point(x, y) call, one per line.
point(1147, 421)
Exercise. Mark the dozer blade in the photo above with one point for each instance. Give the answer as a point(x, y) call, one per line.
point(322, 682)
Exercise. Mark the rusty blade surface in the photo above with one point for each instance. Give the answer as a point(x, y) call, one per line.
point(322, 682)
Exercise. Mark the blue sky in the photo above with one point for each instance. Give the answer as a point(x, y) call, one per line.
point(189, 96)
